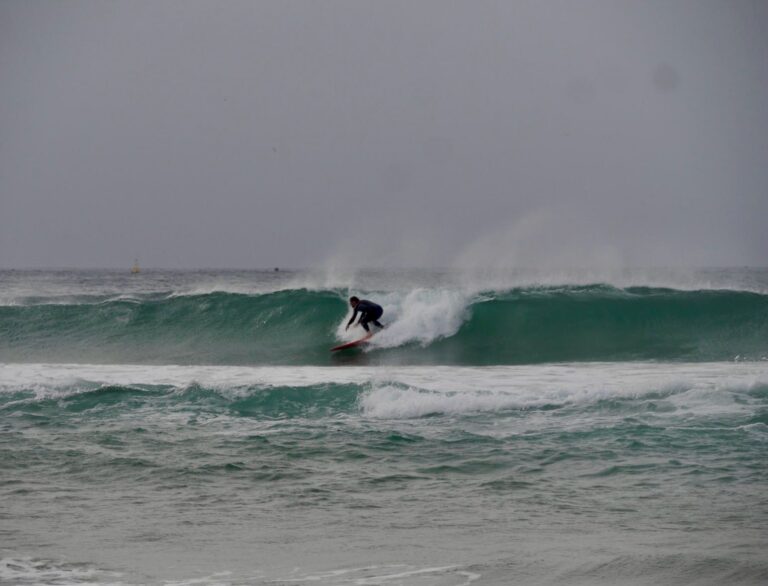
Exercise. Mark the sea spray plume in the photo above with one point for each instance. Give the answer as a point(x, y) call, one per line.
point(414, 248)
point(421, 315)
point(546, 239)
point(326, 278)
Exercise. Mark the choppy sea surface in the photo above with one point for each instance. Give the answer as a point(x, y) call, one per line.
point(192, 427)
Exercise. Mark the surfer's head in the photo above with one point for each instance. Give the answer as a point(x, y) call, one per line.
point(353, 301)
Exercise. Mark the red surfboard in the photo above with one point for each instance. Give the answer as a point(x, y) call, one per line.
point(354, 344)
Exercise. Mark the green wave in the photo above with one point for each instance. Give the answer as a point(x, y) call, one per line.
point(110, 401)
point(603, 323)
point(74, 403)
point(518, 326)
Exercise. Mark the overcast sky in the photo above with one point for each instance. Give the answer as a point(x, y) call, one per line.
point(395, 133)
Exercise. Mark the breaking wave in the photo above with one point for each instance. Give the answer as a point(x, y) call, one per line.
point(424, 326)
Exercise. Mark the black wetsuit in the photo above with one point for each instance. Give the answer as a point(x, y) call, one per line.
point(371, 312)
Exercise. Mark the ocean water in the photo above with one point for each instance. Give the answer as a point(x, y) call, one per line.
point(192, 427)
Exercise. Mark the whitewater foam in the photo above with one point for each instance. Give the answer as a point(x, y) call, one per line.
point(413, 392)
point(421, 316)
point(27, 570)
point(689, 388)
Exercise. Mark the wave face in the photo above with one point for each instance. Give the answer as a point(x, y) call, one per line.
point(424, 326)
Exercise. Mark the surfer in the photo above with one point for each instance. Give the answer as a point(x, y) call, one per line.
point(370, 312)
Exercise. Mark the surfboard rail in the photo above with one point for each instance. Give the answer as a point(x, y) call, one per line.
point(353, 344)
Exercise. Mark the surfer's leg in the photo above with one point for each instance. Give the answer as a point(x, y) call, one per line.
point(364, 323)
point(375, 318)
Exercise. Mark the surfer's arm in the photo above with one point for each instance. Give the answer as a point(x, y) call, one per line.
point(354, 315)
